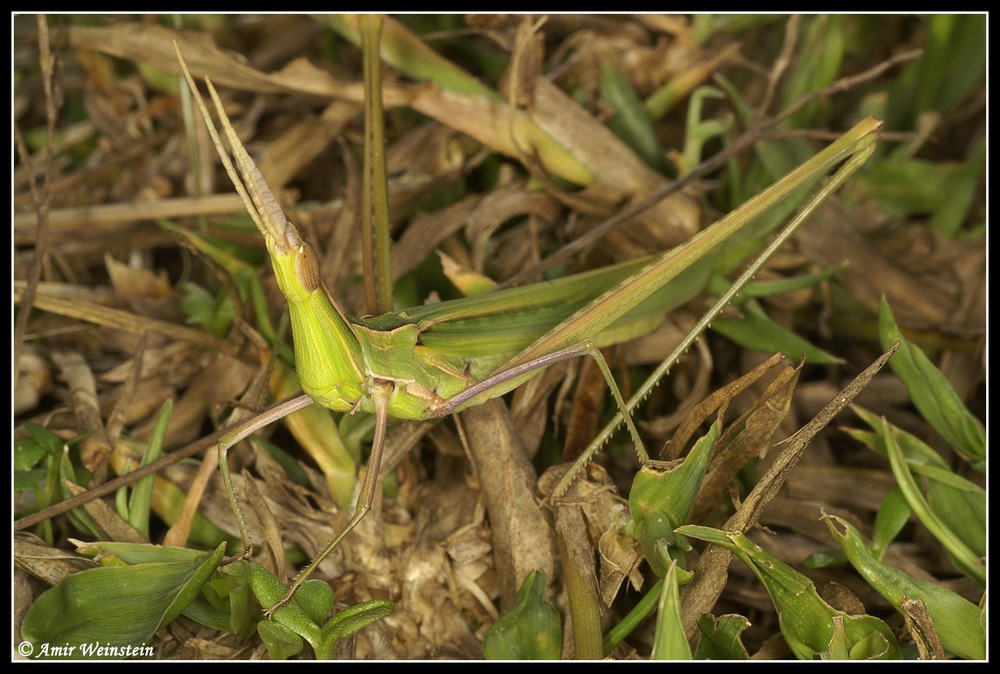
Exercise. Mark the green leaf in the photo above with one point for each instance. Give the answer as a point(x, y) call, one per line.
point(661, 500)
point(964, 558)
point(234, 591)
point(630, 121)
point(950, 69)
point(300, 617)
point(117, 605)
point(962, 186)
point(670, 642)
point(26, 479)
point(933, 395)
point(757, 331)
point(78, 516)
point(958, 504)
point(413, 57)
point(816, 65)
point(811, 627)
point(532, 630)
point(214, 314)
point(269, 590)
point(700, 131)
point(792, 283)
point(281, 642)
point(720, 637)
point(193, 587)
point(349, 621)
point(635, 617)
point(956, 620)
point(823, 559)
point(233, 583)
point(316, 599)
point(142, 493)
point(909, 187)
point(116, 553)
point(206, 613)
point(28, 451)
point(892, 516)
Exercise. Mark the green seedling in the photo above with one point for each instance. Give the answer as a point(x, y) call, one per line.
point(812, 628)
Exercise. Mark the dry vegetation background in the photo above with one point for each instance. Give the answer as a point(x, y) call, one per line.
point(110, 339)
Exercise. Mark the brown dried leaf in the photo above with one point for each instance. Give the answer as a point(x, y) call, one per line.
point(151, 44)
point(921, 628)
point(138, 288)
point(500, 205)
point(272, 533)
point(605, 514)
point(122, 320)
point(529, 406)
point(218, 380)
point(425, 162)
point(841, 598)
point(298, 145)
point(674, 219)
point(621, 557)
point(713, 403)
point(587, 403)
point(107, 519)
point(748, 437)
point(910, 283)
point(95, 447)
point(46, 563)
point(104, 222)
point(427, 231)
point(854, 487)
point(34, 380)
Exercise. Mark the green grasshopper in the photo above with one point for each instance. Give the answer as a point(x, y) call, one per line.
point(432, 361)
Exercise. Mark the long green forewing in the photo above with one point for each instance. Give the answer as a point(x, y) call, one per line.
point(608, 305)
point(619, 300)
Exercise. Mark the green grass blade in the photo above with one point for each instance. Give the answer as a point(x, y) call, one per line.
point(670, 642)
point(933, 395)
point(811, 627)
point(142, 494)
point(964, 558)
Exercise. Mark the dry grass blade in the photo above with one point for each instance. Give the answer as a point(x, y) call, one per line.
point(697, 416)
point(753, 433)
point(711, 571)
point(124, 320)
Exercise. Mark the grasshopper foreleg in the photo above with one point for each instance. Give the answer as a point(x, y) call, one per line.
point(241, 432)
point(380, 393)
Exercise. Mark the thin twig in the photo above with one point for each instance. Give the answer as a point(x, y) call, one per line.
point(112, 485)
point(39, 194)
